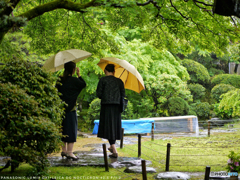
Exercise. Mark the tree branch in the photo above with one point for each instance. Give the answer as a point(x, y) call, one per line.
point(144, 4)
point(57, 4)
point(202, 3)
point(178, 11)
point(8, 9)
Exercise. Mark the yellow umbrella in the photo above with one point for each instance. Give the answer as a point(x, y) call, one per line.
point(57, 61)
point(125, 71)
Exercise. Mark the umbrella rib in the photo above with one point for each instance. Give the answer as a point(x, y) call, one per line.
point(121, 75)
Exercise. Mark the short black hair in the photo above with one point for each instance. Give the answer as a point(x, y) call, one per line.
point(110, 68)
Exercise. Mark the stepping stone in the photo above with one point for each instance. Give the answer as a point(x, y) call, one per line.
point(138, 169)
point(173, 175)
point(127, 162)
point(89, 158)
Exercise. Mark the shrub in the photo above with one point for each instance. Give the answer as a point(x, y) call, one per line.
point(177, 106)
point(25, 135)
point(38, 83)
point(197, 90)
point(220, 89)
point(202, 110)
point(231, 79)
point(94, 109)
point(44, 122)
point(231, 102)
point(213, 71)
point(222, 113)
point(198, 73)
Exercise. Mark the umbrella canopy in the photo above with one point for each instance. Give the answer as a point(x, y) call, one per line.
point(57, 61)
point(125, 71)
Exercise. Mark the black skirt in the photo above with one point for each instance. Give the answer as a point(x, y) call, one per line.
point(110, 122)
point(70, 126)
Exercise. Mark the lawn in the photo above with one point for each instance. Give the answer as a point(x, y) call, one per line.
point(188, 154)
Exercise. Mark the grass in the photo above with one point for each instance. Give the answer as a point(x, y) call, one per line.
point(188, 154)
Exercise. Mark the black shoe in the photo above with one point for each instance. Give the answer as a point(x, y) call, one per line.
point(63, 154)
point(73, 158)
point(113, 155)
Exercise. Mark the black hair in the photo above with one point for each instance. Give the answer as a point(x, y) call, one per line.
point(110, 68)
point(68, 69)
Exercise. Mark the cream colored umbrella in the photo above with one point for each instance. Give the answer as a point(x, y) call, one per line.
point(57, 61)
point(125, 71)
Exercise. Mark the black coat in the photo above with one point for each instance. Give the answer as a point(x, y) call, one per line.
point(70, 89)
point(109, 90)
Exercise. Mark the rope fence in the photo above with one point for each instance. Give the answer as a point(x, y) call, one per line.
point(166, 152)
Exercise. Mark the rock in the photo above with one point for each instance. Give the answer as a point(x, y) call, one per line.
point(172, 175)
point(138, 169)
point(128, 162)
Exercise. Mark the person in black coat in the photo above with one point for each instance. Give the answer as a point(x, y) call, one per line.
point(110, 90)
point(70, 87)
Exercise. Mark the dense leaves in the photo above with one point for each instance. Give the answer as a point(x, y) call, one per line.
point(30, 114)
point(202, 110)
point(178, 106)
point(220, 89)
point(198, 73)
point(197, 90)
point(231, 102)
point(230, 79)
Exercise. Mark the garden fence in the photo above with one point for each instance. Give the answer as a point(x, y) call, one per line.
point(168, 156)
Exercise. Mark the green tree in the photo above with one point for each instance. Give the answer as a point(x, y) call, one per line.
point(167, 23)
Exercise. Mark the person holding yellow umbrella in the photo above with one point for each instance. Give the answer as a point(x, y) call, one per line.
point(110, 90)
point(120, 74)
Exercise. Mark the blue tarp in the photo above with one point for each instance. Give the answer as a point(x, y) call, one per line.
point(131, 126)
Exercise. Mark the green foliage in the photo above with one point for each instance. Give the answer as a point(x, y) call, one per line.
point(198, 73)
point(7, 22)
point(26, 135)
point(231, 79)
point(37, 83)
point(94, 109)
point(17, 46)
point(177, 106)
point(202, 110)
point(220, 89)
point(222, 113)
point(231, 102)
point(214, 71)
point(128, 112)
point(197, 90)
point(161, 87)
point(233, 162)
point(30, 133)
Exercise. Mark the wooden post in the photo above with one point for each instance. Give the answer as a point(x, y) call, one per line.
point(152, 132)
point(105, 157)
point(168, 157)
point(121, 142)
point(144, 172)
point(207, 172)
point(139, 145)
point(209, 124)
